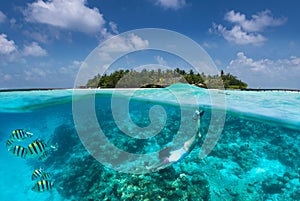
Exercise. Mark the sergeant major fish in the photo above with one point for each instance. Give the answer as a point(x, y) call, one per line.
point(36, 174)
point(9, 143)
point(37, 148)
point(40, 174)
point(19, 151)
point(20, 134)
point(42, 186)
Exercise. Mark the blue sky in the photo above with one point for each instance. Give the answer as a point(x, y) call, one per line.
point(43, 43)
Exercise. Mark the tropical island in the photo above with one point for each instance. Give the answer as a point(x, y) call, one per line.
point(162, 78)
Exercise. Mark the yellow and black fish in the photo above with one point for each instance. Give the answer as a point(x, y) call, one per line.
point(19, 151)
point(37, 148)
point(20, 134)
point(36, 174)
point(42, 186)
point(10, 142)
point(40, 174)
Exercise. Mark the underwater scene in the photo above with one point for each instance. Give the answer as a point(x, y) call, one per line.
point(113, 144)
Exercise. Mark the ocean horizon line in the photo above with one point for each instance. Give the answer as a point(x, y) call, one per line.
point(90, 88)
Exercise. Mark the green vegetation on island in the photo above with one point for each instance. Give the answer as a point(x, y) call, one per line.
point(163, 78)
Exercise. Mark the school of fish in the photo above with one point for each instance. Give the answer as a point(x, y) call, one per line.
point(36, 149)
point(44, 181)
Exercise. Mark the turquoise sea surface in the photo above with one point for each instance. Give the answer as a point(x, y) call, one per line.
point(249, 149)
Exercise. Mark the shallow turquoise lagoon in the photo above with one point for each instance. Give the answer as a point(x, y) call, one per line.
point(249, 150)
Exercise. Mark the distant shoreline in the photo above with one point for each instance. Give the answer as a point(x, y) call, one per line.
point(49, 89)
point(32, 89)
point(250, 89)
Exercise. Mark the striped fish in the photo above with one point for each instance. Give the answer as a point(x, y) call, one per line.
point(19, 151)
point(42, 186)
point(40, 174)
point(37, 148)
point(9, 143)
point(20, 134)
point(36, 174)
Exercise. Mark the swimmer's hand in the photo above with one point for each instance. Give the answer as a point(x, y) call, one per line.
point(198, 114)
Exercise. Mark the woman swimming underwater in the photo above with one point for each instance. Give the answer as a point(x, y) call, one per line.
point(169, 157)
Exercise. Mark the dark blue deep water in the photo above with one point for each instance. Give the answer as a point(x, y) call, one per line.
point(256, 157)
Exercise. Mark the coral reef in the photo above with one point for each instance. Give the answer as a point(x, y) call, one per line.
point(89, 180)
point(252, 161)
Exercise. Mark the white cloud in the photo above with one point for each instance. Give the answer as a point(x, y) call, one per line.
point(9, 52)
point(265, 73)
point(247, 31)
point(37, 36)
point(259, 22)
point(114, 27)
point(6, 46)
point(67, 14)
point(127, 43)
point(34, 50)
point(2, 17)
point(35, 74)
point(160, 60)
point(137, 42)
point(108, 52)
point(171, 4)
point(239, 36)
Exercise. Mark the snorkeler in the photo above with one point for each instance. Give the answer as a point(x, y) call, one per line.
point(168, 158)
